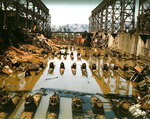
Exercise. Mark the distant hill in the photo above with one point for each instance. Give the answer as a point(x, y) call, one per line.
point(71, 27)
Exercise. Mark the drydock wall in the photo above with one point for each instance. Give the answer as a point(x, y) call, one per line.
point(131, 43)
point(143, 47)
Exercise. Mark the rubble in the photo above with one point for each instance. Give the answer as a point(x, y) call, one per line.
point(141, 109)
point(28, 57)
point(28, 60)
point(141, 73)
point(142, 77)
point(80, 40)
point(61, 41)
point(136, 111)
point(146, 102)
point(1, 66)
point(6, 69)
point(98, 41)
point(121, 56)
point(33, 67)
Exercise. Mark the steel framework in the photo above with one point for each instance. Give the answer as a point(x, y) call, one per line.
point(113, 16)
point(27, 14)
point(143, 25)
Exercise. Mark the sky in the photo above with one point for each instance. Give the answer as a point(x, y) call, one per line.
point(70, 11)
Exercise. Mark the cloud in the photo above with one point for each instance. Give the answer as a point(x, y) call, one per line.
point(65, 14)
point(71, 1)
point(70, 11)
point(70, 14)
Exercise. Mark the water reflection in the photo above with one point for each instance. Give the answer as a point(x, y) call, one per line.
point(105, 83)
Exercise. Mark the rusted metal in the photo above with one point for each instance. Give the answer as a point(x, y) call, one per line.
point(106, 17)
point(115, 16)
point(27, 14)
point(101, 20)
point(97, 21)
point(144, 17)
point(128, 14)
point(113, 13)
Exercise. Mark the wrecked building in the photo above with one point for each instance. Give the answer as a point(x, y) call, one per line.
point(103, 74)
point(18, 17)
point(25, 14)
point(126, 23)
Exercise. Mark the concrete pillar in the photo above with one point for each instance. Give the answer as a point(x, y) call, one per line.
point(135, 44)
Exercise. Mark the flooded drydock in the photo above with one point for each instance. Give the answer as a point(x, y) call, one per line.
point(96, 70)
point(104, 84)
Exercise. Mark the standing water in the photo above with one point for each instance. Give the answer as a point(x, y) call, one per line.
point(67, 85)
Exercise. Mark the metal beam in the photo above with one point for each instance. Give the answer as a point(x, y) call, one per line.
point(116, 15)
point(113, 15)
point(106, 17)
point(128, 15)
point(101, 20)
point(27, 13)
point(143, 25)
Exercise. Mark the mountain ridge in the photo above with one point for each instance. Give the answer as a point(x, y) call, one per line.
point(71, 28)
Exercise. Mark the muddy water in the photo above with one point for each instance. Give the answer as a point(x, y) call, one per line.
point(77, 84)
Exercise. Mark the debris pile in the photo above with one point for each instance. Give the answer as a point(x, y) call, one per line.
point(121, 55)
point(27, 57)
point(142, 77)
point(61, 41)
point(42, 42)
point(99, 41)
point(80, 40)
point(140, 74)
